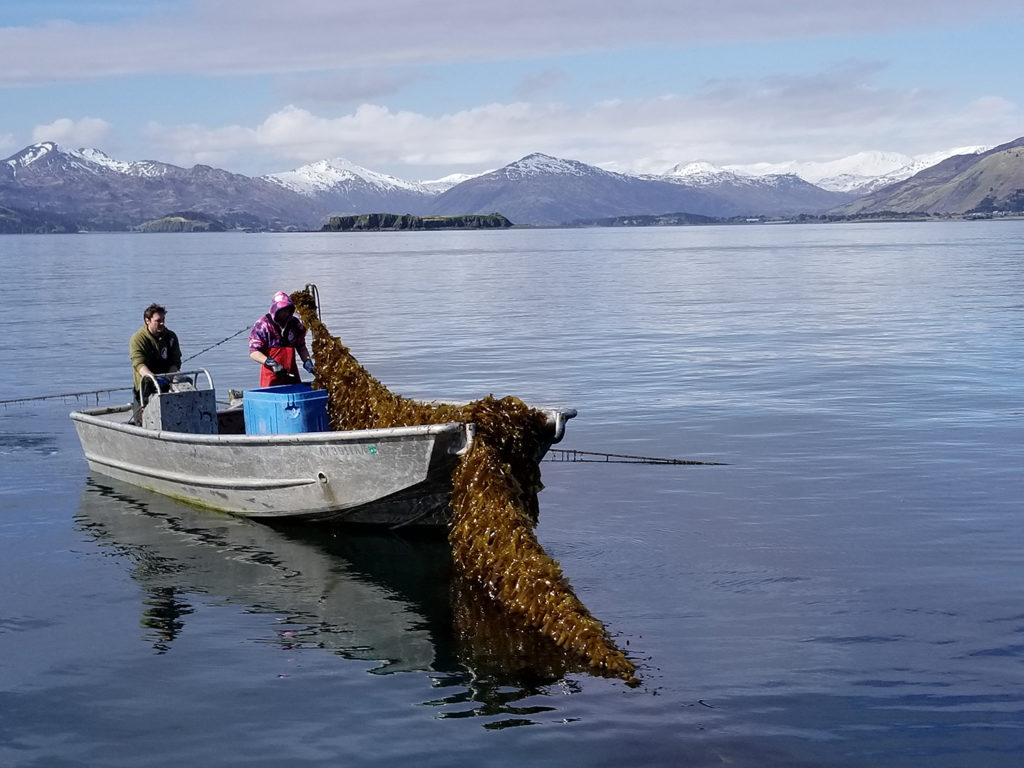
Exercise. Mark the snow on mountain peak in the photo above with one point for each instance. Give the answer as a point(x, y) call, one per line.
point(31, 154)
point(698, 173)
point(861, 166)
point(89, 160)
point(325, 175)
point(696, 168)
point(858, 172)
point(539, 164)
point(102, 159)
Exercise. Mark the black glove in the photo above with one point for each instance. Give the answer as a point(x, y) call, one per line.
point(273, 365)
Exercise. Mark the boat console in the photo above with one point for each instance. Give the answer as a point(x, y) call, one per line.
point(183, 407)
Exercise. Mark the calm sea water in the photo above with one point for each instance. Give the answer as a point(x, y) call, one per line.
point(847, 590)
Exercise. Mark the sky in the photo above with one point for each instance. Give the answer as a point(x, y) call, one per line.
point(422, 89)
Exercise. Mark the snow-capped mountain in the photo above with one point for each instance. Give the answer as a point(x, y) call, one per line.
point(543, 190)
point(327, 176)
point(142, 169)
point(540, 189)
point(99, 192)
point(859, 173)
point(771, 194)
point(342, 187)
point(538, 165)
point(973, 183)
point(698, 173)
point(89, 161)
point(330, 176)
point(86, 188)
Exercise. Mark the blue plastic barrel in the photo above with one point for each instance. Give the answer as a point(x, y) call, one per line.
point(286, 409)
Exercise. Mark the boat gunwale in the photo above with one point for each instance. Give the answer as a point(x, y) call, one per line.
point(93, 417)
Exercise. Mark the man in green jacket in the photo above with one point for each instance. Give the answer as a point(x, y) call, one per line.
point(154, 350)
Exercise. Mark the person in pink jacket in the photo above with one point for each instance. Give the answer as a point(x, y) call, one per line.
point(274, 340)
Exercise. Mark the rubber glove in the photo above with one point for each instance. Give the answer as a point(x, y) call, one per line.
point(308, 365)
point(273, 365)
point(164, 383)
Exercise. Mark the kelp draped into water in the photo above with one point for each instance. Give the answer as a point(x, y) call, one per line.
point(494, 501)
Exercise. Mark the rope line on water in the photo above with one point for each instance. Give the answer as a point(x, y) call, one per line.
point(570, 454)
point(113, 389)
point(554, 454)
point(65, 394)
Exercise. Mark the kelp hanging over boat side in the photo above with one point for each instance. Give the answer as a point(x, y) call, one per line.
point(494, 499)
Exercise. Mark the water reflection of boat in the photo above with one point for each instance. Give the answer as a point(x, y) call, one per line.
point(370, 596)
point(373, 597)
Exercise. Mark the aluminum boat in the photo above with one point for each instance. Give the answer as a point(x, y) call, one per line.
point(189, 449)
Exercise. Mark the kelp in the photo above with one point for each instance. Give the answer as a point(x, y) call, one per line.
point(494, 505)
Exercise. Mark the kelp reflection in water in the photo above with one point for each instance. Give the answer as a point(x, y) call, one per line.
point(494, 503)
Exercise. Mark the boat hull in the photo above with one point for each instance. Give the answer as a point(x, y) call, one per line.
point(394, 477)
point(322, 475)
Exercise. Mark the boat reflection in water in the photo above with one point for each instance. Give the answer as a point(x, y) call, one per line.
point(364, 595)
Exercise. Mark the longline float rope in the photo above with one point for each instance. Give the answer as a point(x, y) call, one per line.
point(97, 392)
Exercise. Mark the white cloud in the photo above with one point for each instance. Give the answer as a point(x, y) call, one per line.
point(84, 132)
point(323, 55)
point(822, 116)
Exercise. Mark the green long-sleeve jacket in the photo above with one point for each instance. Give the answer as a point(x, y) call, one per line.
point(159, 353)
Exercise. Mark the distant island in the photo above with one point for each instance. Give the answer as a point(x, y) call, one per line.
point(197, 221)
point(390, 222)
point(184, 221)
point(645, 220)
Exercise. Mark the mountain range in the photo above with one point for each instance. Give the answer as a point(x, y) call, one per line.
point(46, 188)
point(988, 181)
